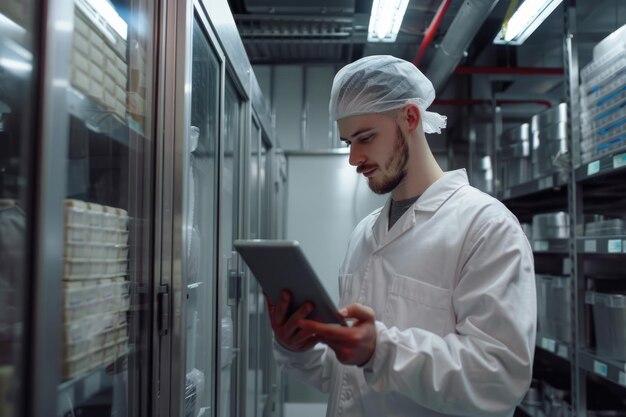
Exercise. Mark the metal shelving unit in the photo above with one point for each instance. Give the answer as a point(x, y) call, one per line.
point(548, 183)
point(612, 164)
point(561, 349)
point(79, 390)
point(560, 246)
point(613, 245)
point(99, 120)
point(608, 369)
point(532, 411)
point(590, 188)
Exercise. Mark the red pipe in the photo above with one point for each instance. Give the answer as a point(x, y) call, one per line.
point(476, 102)
point(509, 70)
point(431, 31)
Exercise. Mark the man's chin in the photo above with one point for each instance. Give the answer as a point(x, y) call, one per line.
point(378, 188)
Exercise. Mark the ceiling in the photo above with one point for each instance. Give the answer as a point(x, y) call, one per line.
point(284, 32)
point(335, 32)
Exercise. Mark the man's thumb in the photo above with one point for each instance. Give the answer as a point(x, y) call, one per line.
point(359, 312)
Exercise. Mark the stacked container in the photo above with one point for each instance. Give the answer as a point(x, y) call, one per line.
point(605, 227)
point(96, 291)
point(603, 98)
point(549, 140)
point(609, 316)
point(554, 302)
point(98, 59)
point(515, 156)
point(551, 226)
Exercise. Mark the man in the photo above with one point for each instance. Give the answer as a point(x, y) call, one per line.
point(439, 282)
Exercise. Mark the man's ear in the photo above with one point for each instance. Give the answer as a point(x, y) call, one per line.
point(413, 117)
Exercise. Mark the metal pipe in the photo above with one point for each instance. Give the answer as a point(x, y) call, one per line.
point(458, 37)
point(431, 31)
point(500, 102)
point(509, 70)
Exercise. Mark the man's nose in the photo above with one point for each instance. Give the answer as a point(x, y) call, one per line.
point(356, 157)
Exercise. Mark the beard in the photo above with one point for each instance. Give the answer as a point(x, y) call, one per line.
point(395, 168)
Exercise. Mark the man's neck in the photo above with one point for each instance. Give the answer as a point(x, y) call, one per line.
point(421, 174)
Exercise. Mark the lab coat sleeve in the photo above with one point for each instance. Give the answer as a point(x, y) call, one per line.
point(484, 369)
point(313, 367)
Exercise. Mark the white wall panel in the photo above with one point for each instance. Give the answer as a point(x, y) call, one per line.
point(319, 80)
point(264, 77)
point(325, 201)
point(288, 105)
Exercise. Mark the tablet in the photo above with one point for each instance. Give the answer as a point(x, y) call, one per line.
point(281, 265)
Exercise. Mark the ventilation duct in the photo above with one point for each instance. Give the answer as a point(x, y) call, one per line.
point(459, 35)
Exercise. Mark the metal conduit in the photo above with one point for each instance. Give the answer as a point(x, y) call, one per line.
point(460, 34)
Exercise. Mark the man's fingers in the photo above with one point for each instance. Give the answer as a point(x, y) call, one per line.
point(280, 311)
point(303, 337)
point(359, 312)
point(301, 313)
point(325, 331)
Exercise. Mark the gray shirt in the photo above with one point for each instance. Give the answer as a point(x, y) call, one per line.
point(398, 208)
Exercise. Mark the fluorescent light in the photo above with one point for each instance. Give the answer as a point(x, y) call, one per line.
point(386, 19)
point(102, 13)
point(106, 10)
point(7, 26)
point(16, 65)
point(525, 20)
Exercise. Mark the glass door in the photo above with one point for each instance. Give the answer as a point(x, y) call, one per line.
point(229, 276)
point(107, 243)
point(266, 356)
point(18, 33)
point(200, 229)
point(253, 298)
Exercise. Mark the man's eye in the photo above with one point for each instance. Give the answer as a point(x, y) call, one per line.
point(347, 144)
point(366, 139)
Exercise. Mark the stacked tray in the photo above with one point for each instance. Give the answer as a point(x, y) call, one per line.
point(603, 98)
point(96, 291)
point(549, 140)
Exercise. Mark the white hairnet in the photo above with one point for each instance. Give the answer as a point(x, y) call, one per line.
point(379, 83)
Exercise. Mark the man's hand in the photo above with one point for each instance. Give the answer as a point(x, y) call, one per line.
point(287, 330)
point(353, 345)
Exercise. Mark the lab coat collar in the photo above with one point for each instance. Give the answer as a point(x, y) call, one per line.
point(430, 201)
point(441, 190)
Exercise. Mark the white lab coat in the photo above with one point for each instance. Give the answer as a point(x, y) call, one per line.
point(452, 286)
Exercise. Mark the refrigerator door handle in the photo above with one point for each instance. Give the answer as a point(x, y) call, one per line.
point(163, 301)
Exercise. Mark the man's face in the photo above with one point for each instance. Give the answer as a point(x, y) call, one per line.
point(377, 148)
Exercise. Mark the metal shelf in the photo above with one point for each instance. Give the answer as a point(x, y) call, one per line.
point(560, 246)
point(609, 369)
point(607, 165)
point(76, 391)
point(532, 411)
point(535, 186)
point(73, 392)
point(556, 347)
point(99, 120)
point(611, 245)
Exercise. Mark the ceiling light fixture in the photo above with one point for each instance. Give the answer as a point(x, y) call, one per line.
point(524, 21)
point(386, 19)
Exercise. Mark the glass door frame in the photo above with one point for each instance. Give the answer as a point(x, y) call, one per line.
point(175, 111)
point(247, 212)
point(237, 398)
point(44, 318)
